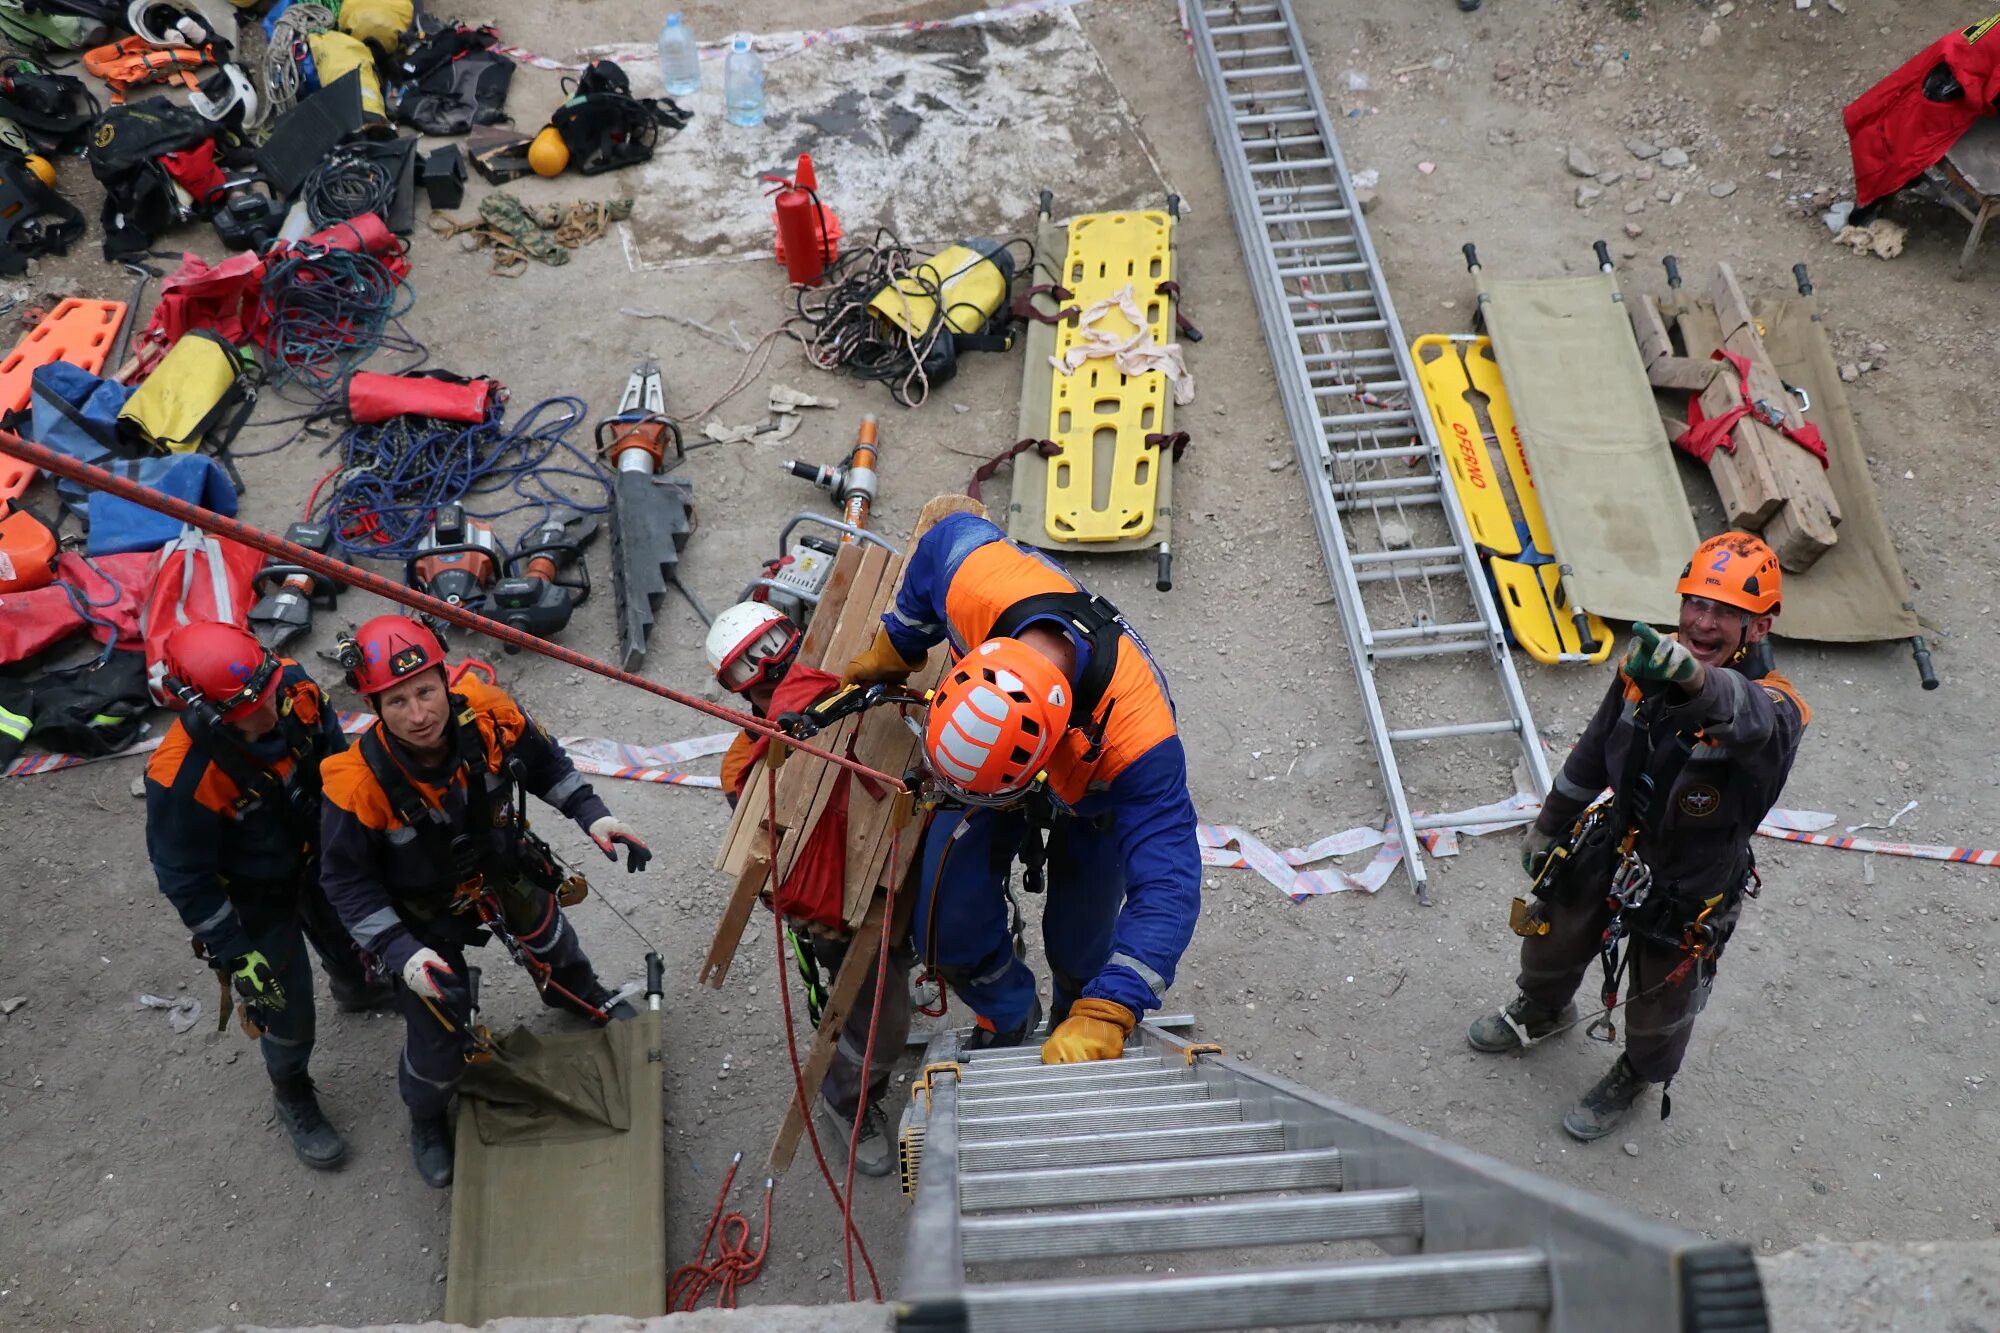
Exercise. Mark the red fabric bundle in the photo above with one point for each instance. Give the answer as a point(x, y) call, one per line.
point(1895, 132)
point(372, 398)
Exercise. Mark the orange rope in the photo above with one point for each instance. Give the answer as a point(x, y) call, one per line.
point(735, 1263)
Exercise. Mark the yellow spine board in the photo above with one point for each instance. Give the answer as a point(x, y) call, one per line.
point(1096, 408)
point(1473, 477)
point(1531, 591)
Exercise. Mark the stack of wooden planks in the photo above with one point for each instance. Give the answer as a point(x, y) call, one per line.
point(1767, 483)
point(862, 586)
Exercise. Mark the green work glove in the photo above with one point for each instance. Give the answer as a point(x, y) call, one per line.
point(1663, 659)
point(256, 982)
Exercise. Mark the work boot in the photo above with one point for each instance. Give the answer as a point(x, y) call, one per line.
point(352, 997)
point(1495, 1033)
point(873, 1153)
point(986, 1037)
point(431, 1146)
point(593, 993)
point(1606, 1105)
point(317, 1143)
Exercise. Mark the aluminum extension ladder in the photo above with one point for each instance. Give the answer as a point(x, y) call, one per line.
point(1067, 1179)
point(1404, 569)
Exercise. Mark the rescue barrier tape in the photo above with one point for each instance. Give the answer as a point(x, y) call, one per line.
point(97, 479)
point(781, 44)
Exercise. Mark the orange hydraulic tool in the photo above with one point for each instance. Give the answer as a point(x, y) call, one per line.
point(853, 483)
point(651, 514)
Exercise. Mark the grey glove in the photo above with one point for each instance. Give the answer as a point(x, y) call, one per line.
point(1535, 848)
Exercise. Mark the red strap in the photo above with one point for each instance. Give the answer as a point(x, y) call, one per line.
point(1705, 434)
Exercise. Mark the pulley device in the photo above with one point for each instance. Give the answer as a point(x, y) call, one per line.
point(288, 594)
point(535, 590)
point(652, 513)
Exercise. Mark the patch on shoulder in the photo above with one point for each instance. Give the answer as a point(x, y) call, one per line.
point(1700, 800)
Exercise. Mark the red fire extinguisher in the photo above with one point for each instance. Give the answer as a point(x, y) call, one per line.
point(808, 232)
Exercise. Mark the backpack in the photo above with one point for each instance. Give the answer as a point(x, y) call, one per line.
point(56, 110)
point(125, 147)
point(451, 80)
point(605, 127)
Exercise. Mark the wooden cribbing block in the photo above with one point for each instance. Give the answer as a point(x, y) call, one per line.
point(1656, 348)
point(862, 951)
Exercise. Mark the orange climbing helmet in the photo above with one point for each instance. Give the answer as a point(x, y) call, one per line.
point(995, 720)
point(1736, 569)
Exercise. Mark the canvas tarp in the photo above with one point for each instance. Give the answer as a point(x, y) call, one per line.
point(558, 1196)
point(1603, 467)
point(1856, 592)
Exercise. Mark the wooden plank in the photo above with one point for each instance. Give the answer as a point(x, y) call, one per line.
point(735, 917)
point(855, 620)
point(1650, 330)
point(1732, 307)
point(1745, 480)
point(846, 989)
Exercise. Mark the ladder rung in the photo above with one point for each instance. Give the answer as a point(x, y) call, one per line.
point(1178, 1115)
point(1239, 28)
point(1414, 1286)
point(1387, 506)
point(1292, 164)
point(1341, 326)
point(1311, 215)
point(1279, 144)
point(1430, 631)
point(1031, 1055)
point(1303, 245)
point(1244, 53)
point(1374, 485)
point(1275, 117)
point(1365, 1215)
point(1081, 1099)
point(1311, 1168)
point(1375, 388)
point(1324, 270)
point(1434, 649)
point(1450, 730)
point(1409, 553)
point(1261, 72)
point(1373, 455)
point(1123, 1146)
point(1454, 570)
point(1354, 420)
point(1015, 1080)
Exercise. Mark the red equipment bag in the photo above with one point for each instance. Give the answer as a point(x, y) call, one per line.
point(220, 298)
point(194, 577)
point(816, 889)
point(368, 234)
point(1896, 130)
point(373, 398)
point(111, 585)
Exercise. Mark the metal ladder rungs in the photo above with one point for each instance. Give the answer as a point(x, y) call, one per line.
point(1378, 485)
point(1400, 416)
point(1249, 27)
point(1449, 731)
point(1031, 1055)
point(1444, 649)
point(1052, 1187)
point(1124, 1146)
point(1096, 1075)
point(1407, 1287)
point(1286, 117)
point(1342, 326)
point(1409, 553)
point(1281, 143)
point(1379, 389)
point(1365, 1215)
point(1245, 52)
point(1429, 631)
point(1088, 1099)
point(1451, 571)
point(1177, 1115)
point(1301, 164)
point(1259, 72)
point(1311, 215)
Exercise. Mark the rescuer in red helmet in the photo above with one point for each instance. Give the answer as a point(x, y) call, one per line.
point(232, 830)
point(1694, 738)
point(423, 838)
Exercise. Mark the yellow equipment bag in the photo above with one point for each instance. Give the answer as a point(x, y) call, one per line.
point(972, 279)
point(380, 23)
point(188, 394)
point(335, 54)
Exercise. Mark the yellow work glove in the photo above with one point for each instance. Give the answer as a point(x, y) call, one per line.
point(881, 664)
point(1094, 1030)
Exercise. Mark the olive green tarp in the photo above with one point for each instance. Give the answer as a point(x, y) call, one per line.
point(1603, 468)
point(558, 1197)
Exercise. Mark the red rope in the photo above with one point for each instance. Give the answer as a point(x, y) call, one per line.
point(735, 1263)
point(97, 479)
point(840, 1200)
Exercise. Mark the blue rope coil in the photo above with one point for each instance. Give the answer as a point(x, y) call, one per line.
point(396, 474)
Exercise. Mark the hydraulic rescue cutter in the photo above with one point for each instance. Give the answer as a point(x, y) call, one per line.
point(535, 590)
point(651, 511)
point(287, 594)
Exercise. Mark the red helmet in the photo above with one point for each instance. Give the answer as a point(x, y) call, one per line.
point(224, 664)
point(995, 720)
point(388, 649)
point(1736, 569)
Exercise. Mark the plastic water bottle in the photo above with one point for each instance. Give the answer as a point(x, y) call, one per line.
point(680, 61)
point(743, 84)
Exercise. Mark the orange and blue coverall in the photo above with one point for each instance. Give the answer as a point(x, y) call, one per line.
point(1123, 868)
point(240, 867)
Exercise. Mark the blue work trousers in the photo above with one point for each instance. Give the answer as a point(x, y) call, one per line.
point(964, 923)
point(287, 1042)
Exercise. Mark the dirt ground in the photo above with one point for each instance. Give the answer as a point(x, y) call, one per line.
point(1840, 1084)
